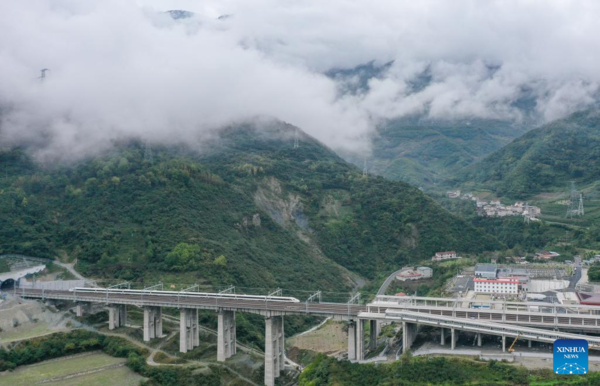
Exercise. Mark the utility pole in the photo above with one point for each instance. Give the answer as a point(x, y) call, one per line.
point(573, 210)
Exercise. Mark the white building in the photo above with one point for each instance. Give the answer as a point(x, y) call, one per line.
point(425, 271)
point(498, 286)
point(444, 256)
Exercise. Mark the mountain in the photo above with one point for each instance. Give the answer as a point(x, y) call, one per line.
point(427, 153)
point(245, 209)
point(543, 160)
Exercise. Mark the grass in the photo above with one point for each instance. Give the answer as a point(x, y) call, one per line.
point(67, 368)
point(4, 266)
point(121, 376)
point(26, 332)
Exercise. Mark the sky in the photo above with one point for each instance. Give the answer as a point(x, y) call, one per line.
point(125, 68)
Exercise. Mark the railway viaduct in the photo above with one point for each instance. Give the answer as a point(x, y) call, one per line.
point(530, 321)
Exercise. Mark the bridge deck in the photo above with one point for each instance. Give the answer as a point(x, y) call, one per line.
point(339, 310)
point(484, 327)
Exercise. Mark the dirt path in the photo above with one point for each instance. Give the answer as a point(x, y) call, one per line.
point(190, 362)
point(82, 373)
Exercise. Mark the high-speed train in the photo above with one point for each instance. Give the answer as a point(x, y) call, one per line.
point(83, 290)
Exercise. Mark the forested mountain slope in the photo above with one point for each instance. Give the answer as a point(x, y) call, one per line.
point(544, 159)
point(245, 209)
point(427, 153)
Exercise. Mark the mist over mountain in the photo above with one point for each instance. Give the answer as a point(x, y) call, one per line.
point(118, 69)
point(542, 160)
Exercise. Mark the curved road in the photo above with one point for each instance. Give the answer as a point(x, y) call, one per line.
point(387, 282)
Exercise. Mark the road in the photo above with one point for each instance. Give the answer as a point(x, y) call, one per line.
point(70, 268)
point(575, 278)
point(387, 282)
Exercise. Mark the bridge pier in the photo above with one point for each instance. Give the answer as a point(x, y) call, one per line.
point(226, 345)
point(443, 337)
point(352, 340)
point(189, 334)
point(79, 310)
point(529, 343)
point(409, 333)
point(373, 333)
point(360, 338)
point(479, 339)
point(117, 316)
point(152, 323)
point(274, 349)
point(503, 343)
point(453, 338)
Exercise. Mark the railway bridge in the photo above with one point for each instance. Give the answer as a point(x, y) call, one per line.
point(531, 321)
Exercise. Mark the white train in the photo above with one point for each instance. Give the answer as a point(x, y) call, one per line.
point(82, 290)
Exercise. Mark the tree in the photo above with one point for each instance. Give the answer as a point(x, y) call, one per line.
point(220, 261)
point(184, 257)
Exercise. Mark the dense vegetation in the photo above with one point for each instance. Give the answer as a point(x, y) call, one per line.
point(326, 371)
point(594, 273)
point(544, 159)
point(426, 153)
point(249, 210)
point(78, 341)
point(63, 344)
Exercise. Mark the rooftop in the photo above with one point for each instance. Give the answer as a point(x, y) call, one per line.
point(486, 268)
point(589, 298)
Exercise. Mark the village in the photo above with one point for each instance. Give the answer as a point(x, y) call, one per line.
point(495, 208)
point(538, 278)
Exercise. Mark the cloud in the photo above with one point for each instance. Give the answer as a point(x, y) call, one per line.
point(123, 68)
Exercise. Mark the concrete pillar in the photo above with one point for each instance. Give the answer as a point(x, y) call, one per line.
point(158, 324)
point(529, 343)
point(373, 334)
point(503, 343)
point(277, 346)
point(113, 317)
point(453, 338)
point(479, 339)
point(360, 328)
point(281, 345)
point(352, 340)
point(443, 337)
point(409, 333)
point(79, 310)
point(270, 329)
point(226, 345)
point(122, 315)
point(148, 324)
point(183, 330)
point(196, 328)
point(152, 323)
point(188, 329)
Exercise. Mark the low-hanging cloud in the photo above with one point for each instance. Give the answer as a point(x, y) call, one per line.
point(123, 69)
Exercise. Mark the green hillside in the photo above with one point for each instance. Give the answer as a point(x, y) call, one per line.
point(543, 160)
point(247, 209)
point(426, 153)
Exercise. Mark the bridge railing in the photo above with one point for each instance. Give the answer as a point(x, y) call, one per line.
point(493, 305)
point(489, 327)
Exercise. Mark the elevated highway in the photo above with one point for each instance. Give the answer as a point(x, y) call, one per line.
point(572, 317)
